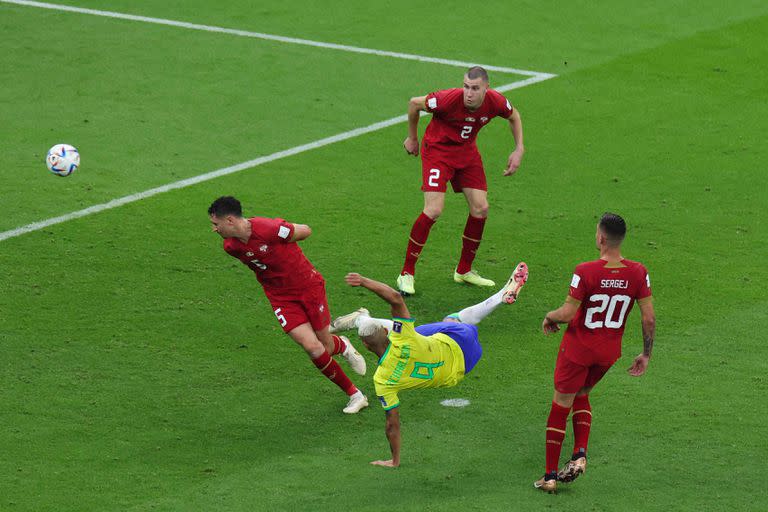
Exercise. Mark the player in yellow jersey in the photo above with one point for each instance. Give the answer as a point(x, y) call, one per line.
point(427, 356)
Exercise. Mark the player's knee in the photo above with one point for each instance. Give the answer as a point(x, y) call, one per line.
point(479, 210)
point(313, 347)
point(433, 211)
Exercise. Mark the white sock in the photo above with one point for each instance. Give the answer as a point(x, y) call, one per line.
point(475, 314)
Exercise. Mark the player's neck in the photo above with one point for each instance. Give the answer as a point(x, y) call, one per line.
point(244, 230)
point(379, 350)
point(611, 254)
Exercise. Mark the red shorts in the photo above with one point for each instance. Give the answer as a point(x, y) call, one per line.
point(438, 168)
point(571, 377)
point(311, 307)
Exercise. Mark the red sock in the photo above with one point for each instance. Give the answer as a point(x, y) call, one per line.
point(558, 417)
point(419, 234)
point(473, 233)
point(582, 421)
point(333, 371)
point(338, 345)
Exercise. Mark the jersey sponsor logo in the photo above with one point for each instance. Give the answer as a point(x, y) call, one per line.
point(469, 119)
point(432, 103)
point(283, 232)
point(575, 280)
point(614, 283)
point(249, 254)
point(397, 326)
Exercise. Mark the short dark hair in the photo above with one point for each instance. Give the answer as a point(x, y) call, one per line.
point(477, 72)
point(613, 227)
point(225, 205)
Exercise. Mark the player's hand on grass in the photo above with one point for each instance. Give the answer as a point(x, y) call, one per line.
point(548, 326)
point(354, 279)
point(385, 463)
point(411, 146)
point(513, 163)
point(639, 365)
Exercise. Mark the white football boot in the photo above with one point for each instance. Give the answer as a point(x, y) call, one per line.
point(353, 357)
point(348, 321)
point(405, 285)
point(356, 403)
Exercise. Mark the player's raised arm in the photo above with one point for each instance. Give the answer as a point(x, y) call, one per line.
point(393, 435)
point(415, 106)
point(648, 321)
point(300, 232)
point(389, 294)
point(561, 315)
point(516, 157)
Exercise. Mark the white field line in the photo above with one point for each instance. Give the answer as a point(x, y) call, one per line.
point(269, 37)
point(534, 77)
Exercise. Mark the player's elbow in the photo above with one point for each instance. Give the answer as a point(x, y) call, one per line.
point(649, 323)
point(394, 298)
point(301, 232)
point(416, 103)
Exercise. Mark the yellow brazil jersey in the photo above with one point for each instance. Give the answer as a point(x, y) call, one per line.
point(413, 361)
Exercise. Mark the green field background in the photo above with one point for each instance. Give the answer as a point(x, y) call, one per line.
point(142, 369)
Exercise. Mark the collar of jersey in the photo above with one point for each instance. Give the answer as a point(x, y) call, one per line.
point(384, 355)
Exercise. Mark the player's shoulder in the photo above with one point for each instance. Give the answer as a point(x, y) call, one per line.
point(452, 92)
point(589, 266)
point(495, 95)
point(443, 98)
point(498, 99)
point(267, 227)
point(635, 266)
point(398, 324)
point(261, 221)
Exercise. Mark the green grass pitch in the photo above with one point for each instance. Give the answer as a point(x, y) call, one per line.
point(142, 369)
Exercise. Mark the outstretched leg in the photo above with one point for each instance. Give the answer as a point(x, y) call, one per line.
point(475, 314)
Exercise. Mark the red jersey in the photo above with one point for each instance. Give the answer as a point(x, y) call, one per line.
point(279, 265)
point(453, 125)
point(607, 293)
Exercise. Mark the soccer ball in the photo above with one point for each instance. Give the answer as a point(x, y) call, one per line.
point(62, 159)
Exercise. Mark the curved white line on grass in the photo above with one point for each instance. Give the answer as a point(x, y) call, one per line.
point(269, 37)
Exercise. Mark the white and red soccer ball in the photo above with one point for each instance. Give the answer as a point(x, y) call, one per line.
point(62, 159)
